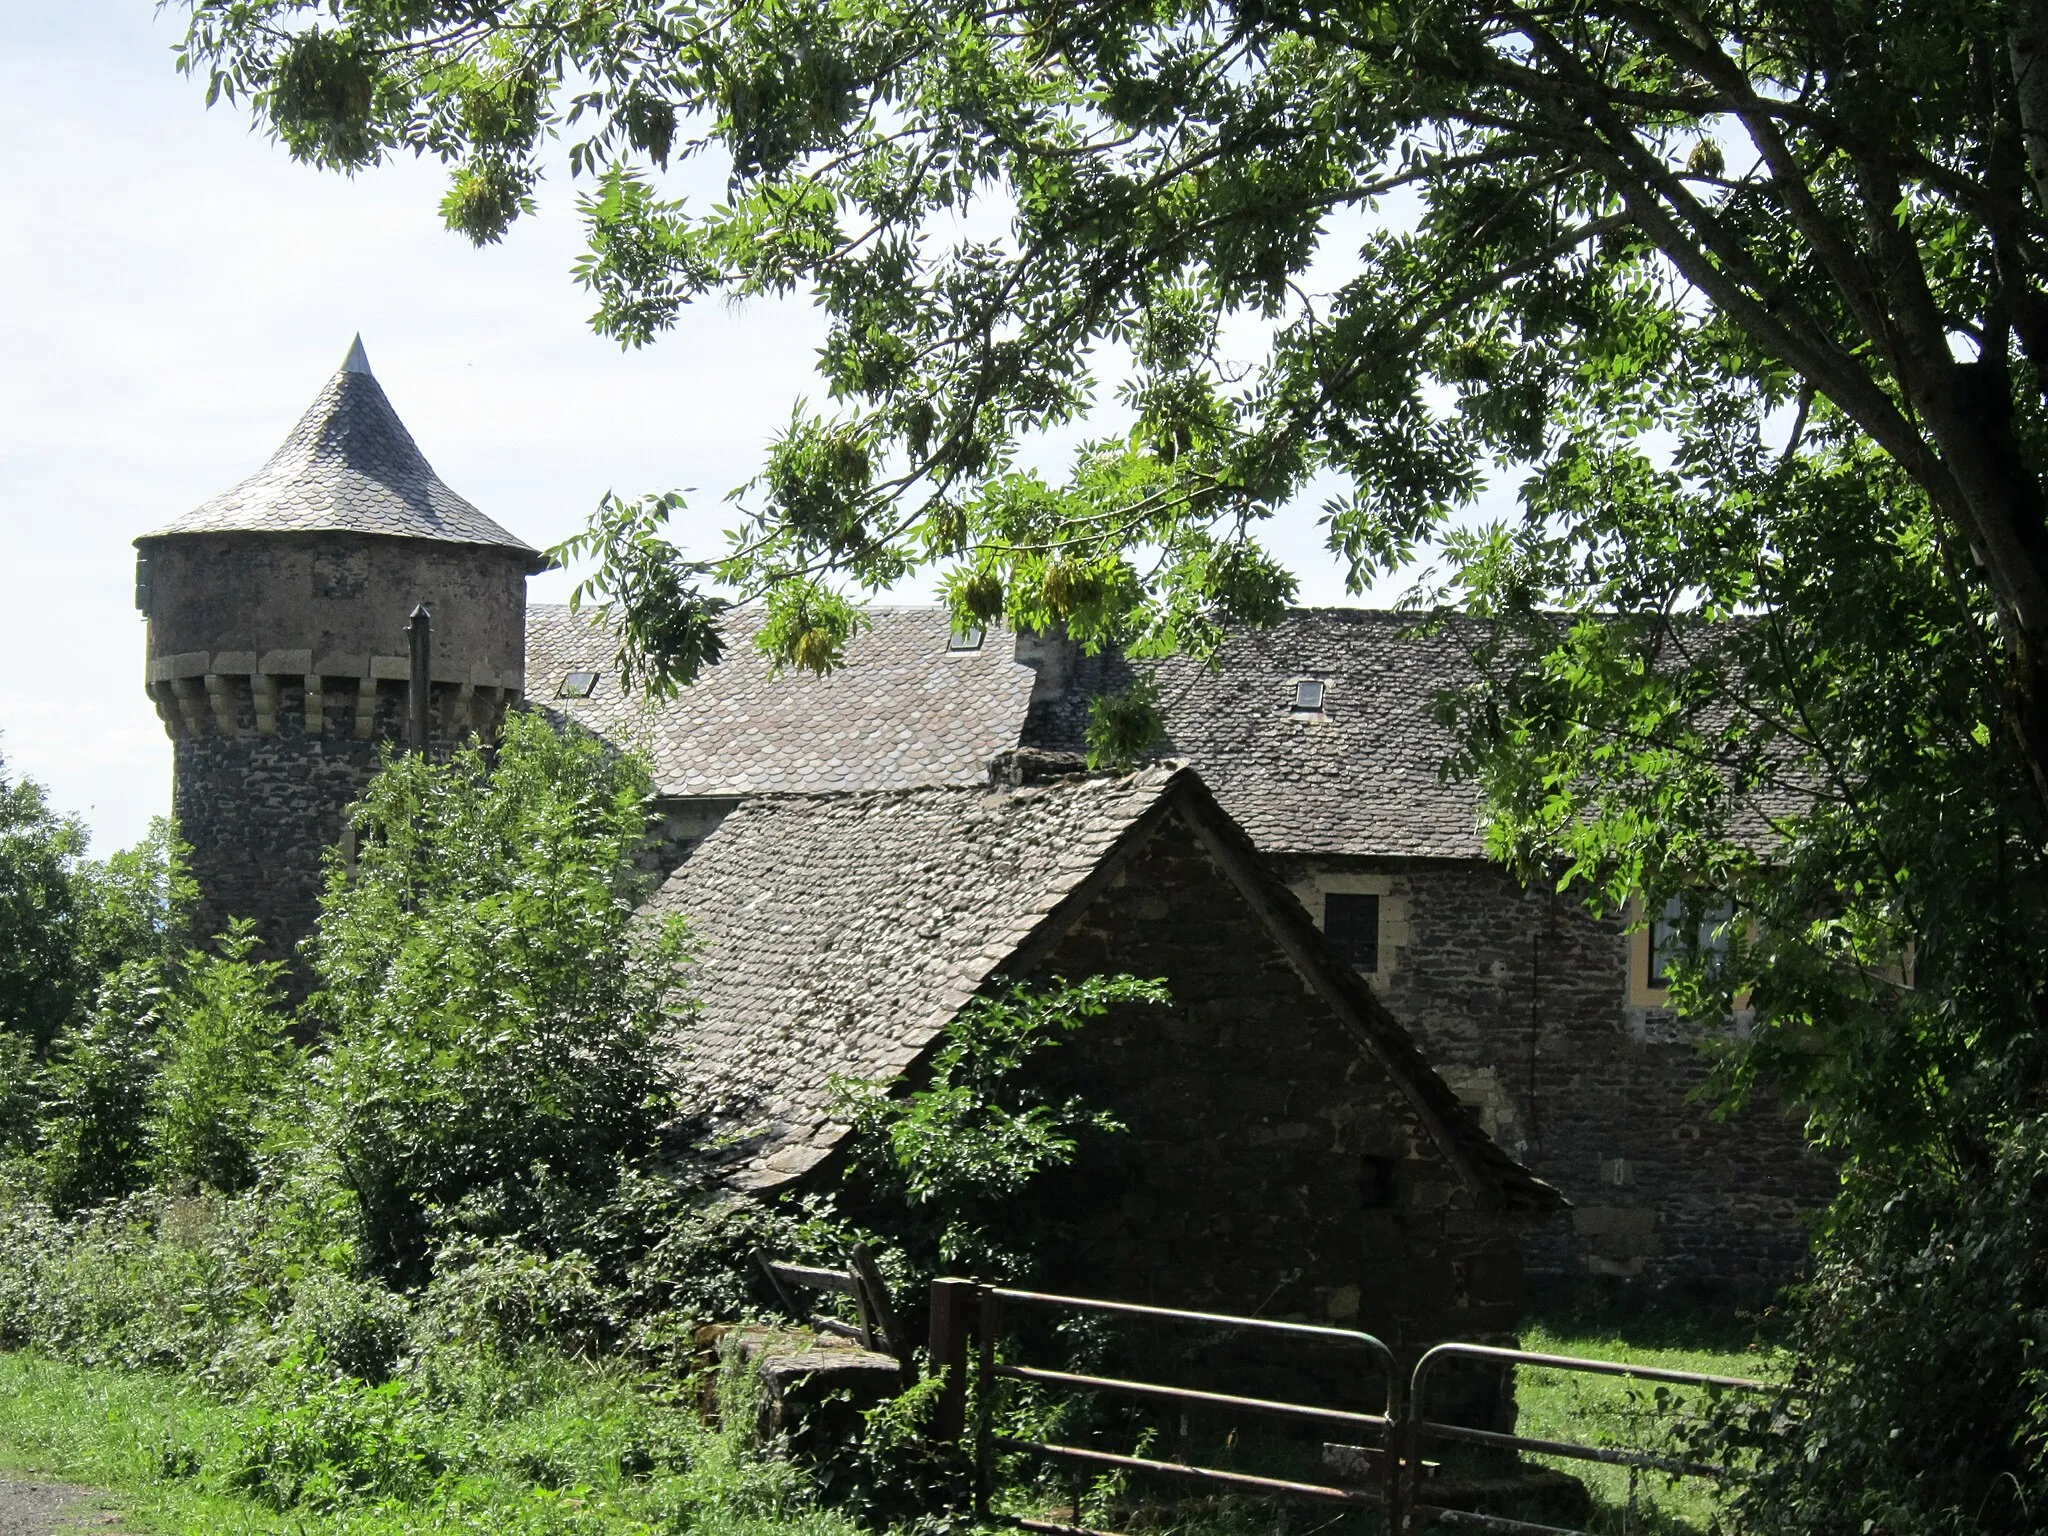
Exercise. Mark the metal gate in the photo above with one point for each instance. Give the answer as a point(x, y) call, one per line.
point(1396, 1437)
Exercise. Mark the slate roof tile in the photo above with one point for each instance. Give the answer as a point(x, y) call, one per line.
point(349, 466)
point(904, 712)
point(840, 933)
point(1362, 777)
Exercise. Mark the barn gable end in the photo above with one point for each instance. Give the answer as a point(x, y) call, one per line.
point(1288, 1147)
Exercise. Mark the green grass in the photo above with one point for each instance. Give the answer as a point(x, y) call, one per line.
point(565, 1461)
point(554, 1448)
point(1564, 1405)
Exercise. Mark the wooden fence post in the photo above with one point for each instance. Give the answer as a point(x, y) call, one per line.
point(989, 1328)
point(952, 1301)
point(875, 1297)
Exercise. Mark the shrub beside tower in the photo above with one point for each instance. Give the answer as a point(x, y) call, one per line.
point(277, 651)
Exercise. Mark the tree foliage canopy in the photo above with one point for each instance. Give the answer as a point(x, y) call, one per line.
point(1391, 241)
point(66, 921)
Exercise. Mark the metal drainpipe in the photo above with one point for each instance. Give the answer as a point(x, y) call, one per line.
point(420, 634)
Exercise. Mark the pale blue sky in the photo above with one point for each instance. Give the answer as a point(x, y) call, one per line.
point(173, 290)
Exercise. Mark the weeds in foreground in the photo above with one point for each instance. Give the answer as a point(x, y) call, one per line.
point(588, 1450)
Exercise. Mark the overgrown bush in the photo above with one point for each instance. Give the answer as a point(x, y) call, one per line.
point(492, 1296)
point(66, 921)
point(226, 1058)
point(155, 1281)
point(678, 1252)
point(489, 1001)
point(1921, 1343)
point(946, 1165)
point(319, 1439)
point(93, 1142)
point(45, 971)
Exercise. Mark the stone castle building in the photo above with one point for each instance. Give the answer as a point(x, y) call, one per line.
point(277, 650)
point(278, 617)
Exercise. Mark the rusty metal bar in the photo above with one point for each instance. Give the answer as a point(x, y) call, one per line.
point(1197, 1474)
point(1215, 1319)
point(1409, 1510)
point(1593, 1367)
point(1191, 1395)
point(1611, 1456)
point(1502, 1523)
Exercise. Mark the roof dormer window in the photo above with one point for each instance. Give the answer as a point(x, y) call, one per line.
point(1308, 696)
point(968, 639)
point(578, 685)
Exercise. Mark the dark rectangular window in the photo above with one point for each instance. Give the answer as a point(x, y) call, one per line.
point(1376, 1184)
point(1353, 925)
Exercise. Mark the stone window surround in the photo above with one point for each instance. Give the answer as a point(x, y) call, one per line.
point(1311, 888)
point(1640, 993)
point(1651, 1017)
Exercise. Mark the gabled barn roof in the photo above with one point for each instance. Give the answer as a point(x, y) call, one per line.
point(349, 466)
point(840, 934)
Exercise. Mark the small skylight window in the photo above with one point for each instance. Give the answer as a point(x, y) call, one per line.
point(578, 685)
point(1308, 696)
point(968, 639)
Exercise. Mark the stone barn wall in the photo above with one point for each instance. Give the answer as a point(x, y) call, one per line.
point(1269, 1167)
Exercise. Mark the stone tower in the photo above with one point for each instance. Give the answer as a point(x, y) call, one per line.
point(278, 658)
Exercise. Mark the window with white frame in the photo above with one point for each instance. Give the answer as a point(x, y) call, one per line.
point(1673, 938)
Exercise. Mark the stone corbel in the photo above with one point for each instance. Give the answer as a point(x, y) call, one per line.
point(220, 686)
point(266, 684)
point(220, 693)
point(166, 702)
point(264, 688)
point(173, 687)
point(191, 704)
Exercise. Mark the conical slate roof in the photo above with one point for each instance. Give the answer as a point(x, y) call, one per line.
point(350, 467)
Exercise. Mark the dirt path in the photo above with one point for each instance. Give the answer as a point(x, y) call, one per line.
point(54, 1509)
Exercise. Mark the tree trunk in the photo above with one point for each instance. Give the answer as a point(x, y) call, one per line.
point(2008, 533)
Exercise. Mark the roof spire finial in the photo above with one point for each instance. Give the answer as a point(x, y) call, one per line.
point(357, 361)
